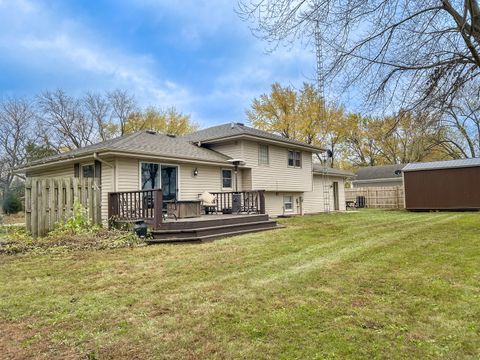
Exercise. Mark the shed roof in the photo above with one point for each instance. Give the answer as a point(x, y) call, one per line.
point(226, 131)
point(144, 142)
point(320, 169)
point(445, 164)
point(379, 172)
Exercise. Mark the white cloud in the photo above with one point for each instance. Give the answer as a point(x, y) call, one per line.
point(50, 40)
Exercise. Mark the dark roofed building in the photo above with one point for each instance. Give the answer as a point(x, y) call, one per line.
point(374, 176)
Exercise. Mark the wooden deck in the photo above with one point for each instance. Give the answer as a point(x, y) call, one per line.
point(248, 209)
point(210, 227)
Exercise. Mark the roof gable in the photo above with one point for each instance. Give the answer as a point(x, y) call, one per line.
point(226, 131)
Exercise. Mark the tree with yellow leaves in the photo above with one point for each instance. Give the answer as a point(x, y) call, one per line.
point(165, 121)
point(301, 115)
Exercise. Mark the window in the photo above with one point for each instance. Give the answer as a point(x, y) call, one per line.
point(288, 203)
point(150, 173)
point(88, 171)
point(294, 158)
point(263, 158)
point(227, 179)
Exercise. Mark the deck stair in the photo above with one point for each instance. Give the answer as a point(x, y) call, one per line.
point(209, 229)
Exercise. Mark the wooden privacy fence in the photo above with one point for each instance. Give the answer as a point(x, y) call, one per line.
point(389, 197)
point(49, 200)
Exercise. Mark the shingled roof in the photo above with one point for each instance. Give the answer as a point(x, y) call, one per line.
point(143, 142)
point(380, 172)
point(226, 131)
point(320, 169)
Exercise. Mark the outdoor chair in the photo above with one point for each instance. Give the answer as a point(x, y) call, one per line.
point(208, 202)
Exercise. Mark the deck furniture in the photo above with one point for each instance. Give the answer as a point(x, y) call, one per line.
point(182, 209)
point(208, 201)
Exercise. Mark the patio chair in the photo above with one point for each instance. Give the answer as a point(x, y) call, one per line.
point(208, 202)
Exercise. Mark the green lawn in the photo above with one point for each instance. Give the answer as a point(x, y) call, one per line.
point(371, 284)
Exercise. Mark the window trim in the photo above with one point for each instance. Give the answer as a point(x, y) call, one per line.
point(290, 202)
point(160, 164)
point(231, 178)
point(294, 152)
point(261, 163)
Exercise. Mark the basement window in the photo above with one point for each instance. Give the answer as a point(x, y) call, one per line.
point(288, 203)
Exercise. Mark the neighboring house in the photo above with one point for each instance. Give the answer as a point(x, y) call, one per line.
point(379, 176)
point(186, 166)
point(442, 185)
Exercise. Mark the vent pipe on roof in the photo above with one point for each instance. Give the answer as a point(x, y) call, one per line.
point(232, 125)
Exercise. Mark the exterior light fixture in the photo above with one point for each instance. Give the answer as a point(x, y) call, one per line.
point(195, 172)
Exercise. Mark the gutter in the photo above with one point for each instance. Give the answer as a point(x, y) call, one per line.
point(95, 156)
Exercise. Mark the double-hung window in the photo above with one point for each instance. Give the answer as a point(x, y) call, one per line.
point(263, 156)
point(227, 179)
point(294, 159)
point(288, 203)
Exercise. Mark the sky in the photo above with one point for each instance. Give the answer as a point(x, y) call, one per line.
point(196, 55)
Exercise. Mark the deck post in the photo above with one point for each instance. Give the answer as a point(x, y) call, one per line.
point(261, 197)
point(158, 209)
point(113, 209)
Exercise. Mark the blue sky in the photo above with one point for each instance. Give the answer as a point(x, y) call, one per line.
point(195, 55)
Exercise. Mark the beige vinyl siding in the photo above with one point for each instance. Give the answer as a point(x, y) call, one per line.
point(59, 171)
point(314, 200)
point(209, 178)
point(274, 203)
point(233, 149)
point(277, 176)
point(107, 186)
point(384, 183)
point(128, 173)
point(247, 179)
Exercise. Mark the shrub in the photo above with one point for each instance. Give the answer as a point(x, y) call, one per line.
point(11, 204)
point(77, 224)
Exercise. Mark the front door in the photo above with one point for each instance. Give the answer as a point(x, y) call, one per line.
point(169, 182)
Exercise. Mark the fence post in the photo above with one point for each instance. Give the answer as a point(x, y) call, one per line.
point(261, 197)
point(158, 209)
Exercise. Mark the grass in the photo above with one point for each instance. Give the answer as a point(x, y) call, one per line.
point(372, 284)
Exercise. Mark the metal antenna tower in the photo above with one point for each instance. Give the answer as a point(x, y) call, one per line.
point(320, 90)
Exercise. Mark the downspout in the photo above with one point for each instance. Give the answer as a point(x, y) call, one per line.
point(96, 157)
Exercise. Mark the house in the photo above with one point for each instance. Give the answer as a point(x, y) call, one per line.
point(442, 185)
point(379, 176)
point(222, 160)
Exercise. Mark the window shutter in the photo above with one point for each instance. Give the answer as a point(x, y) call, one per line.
point(76, 170)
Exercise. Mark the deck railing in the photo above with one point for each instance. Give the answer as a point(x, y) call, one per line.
point(250, 201)
point(136, 205)
point(147, 205)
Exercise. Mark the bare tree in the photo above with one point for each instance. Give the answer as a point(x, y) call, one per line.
point(461, 119)
point(65, 121)
point(17, 123)
point(406, 52)
point(123, 106)
point(98, 110)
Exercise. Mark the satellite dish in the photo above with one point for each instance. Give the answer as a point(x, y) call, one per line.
point(398, 172)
